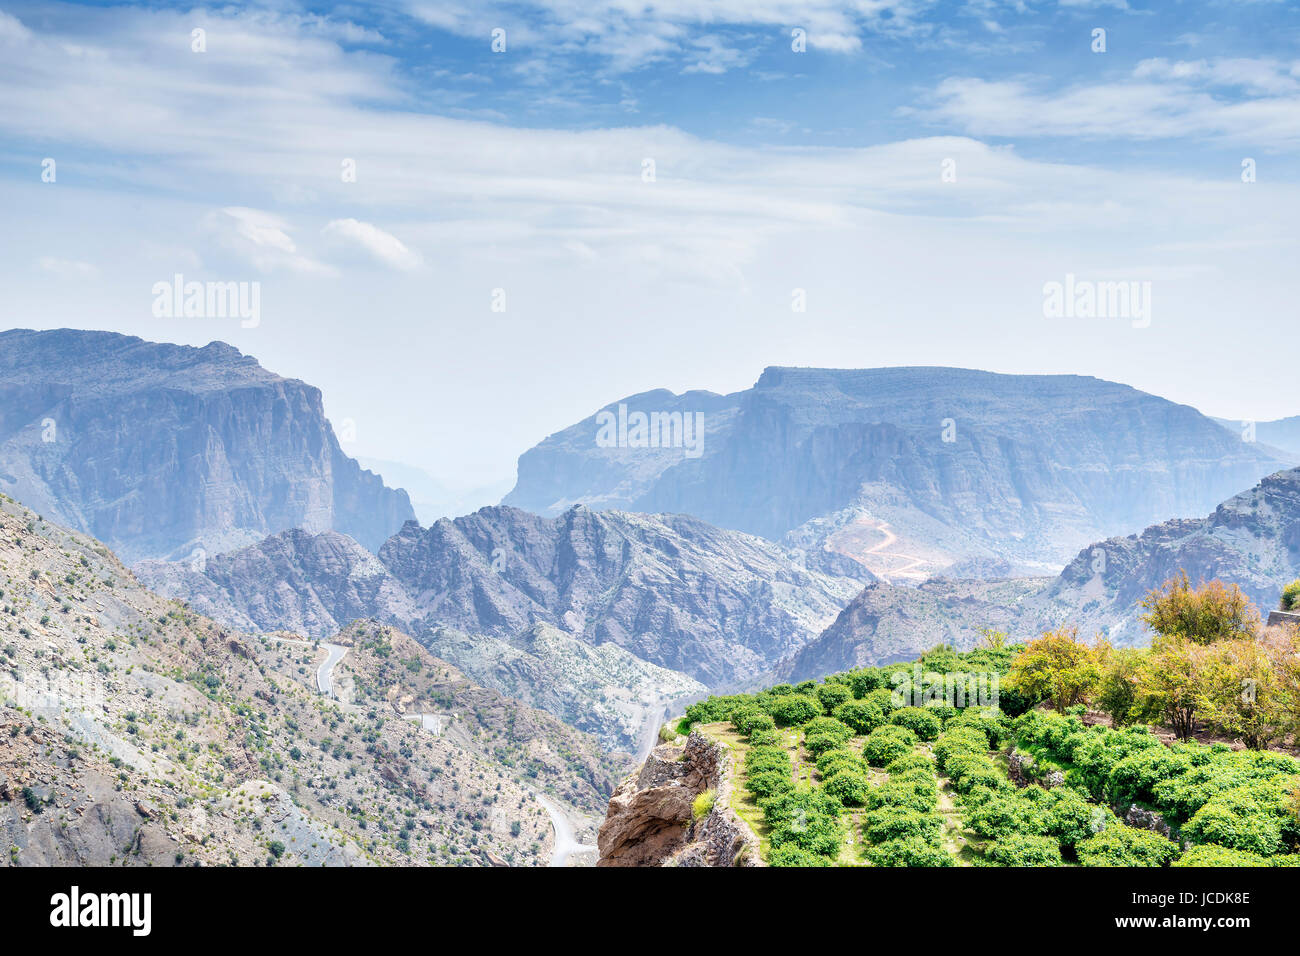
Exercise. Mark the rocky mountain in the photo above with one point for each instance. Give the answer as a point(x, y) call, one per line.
point(167, 450)
point(904, 468)
point(1251, 540)
point(137, 732)
point(601, 617)
point(1284, 433)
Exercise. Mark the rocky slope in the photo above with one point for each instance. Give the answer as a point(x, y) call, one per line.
point(164, 450)
point(600, 617)
point(1251, 540)
point(138, 732)
point(652, 821)
point(956, 463)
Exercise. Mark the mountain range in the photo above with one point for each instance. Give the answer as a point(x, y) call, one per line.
point(646, 607)
point(1251, 540)
point(171, 451)
point(906, 469)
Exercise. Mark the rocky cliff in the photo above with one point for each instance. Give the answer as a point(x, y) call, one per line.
point(959, 463)
point(164, 450)
point(653, 819)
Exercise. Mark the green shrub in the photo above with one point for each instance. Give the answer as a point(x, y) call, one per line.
point(1071, 819)
point(1210, 855)
point(1004, 814)
point(1025, 849)
point(963, 740)
point(910, 761)
point(702, 805)
point(1240, 819)
point(761, 737)
point(791, 855)
point(910, 851)
point(1122, 845)
point(863, 682)
point(795, 709)
point(832, 695)
point(924, 723)
point(768, 783)
point(862, 715)
point(833, 761)
point(1290, 596)
point(886, 744)
point(848, 786)
point(892, 823)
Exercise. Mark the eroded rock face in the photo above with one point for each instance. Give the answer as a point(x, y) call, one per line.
point(650, 817)
point(158, 450)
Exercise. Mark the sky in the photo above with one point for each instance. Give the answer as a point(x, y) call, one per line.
point(472, 224)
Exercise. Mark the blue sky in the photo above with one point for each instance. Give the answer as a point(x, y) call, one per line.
point(775, 171)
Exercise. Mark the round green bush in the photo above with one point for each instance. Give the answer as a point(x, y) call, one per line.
point(832, 695)
point(962, 740)
point(832, 761)
point(793, 710)
point(891, 823)
point(910, 761)
point(848, 786)
point(924, 723)
point(910, 851)
point(886, 744)
point(1209, 855)
point(761, 737)
point(791, 855)
point(1071, 819)
point(1122, 845)
point(1025, 849)
point(768, 783)
point(863, 716)
point(1004, 815)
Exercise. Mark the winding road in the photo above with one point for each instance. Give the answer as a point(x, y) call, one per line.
point(325, 673)
point(566, 843)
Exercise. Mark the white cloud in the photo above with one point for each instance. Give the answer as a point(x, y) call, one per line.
point(1162, 100)
point(261, 239)
point(382, 246)
point(68, 268)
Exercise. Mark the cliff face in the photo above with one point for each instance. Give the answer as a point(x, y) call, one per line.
point(1027, 468)
point(158, 450)
point(651, 820)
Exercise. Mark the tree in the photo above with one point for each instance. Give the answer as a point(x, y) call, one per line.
point(1170, 684)
point(1202, 615)
point(1057, 666)
point(1121, 680)
point(1290, 596)
point(1244, 691)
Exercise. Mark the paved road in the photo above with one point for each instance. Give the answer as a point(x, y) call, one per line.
point(566, 844)
point(325, 673)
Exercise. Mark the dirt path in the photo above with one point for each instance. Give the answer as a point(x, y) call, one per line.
point(879, 558)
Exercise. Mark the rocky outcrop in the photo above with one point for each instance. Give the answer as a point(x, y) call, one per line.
point(163, 450)
point(651, 822)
